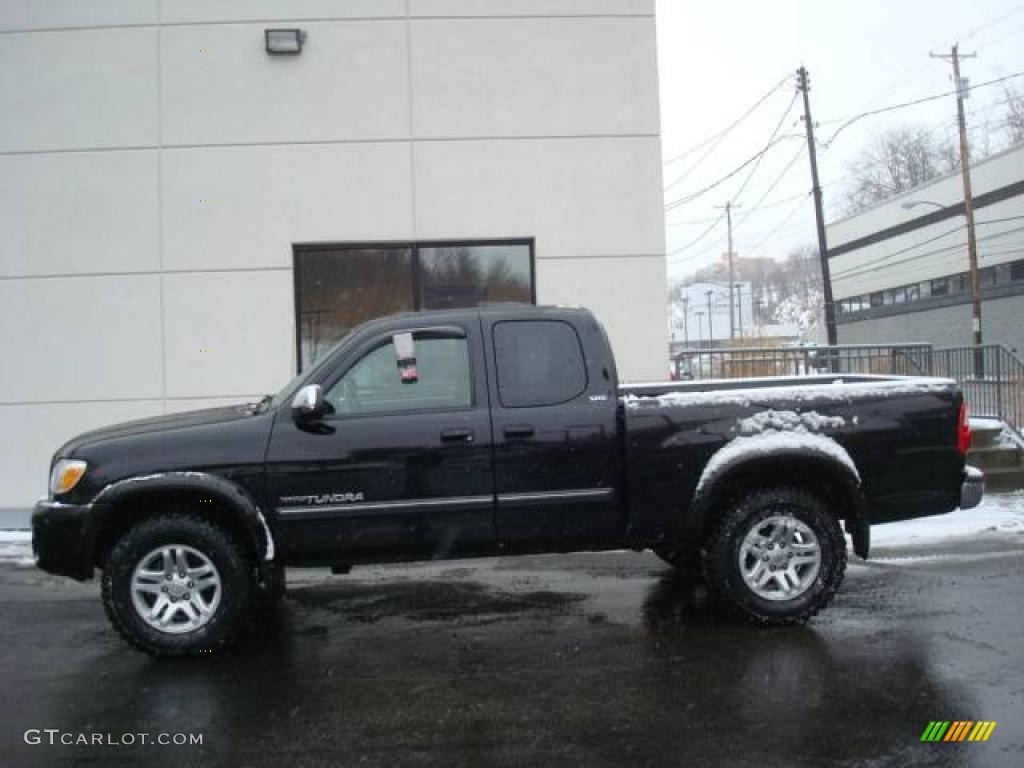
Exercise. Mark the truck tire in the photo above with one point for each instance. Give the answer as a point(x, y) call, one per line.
point(176, 585)
point(777, 557)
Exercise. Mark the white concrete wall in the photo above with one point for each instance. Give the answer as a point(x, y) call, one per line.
point(156, 167)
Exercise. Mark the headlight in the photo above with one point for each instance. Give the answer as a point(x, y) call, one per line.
point(65, 475)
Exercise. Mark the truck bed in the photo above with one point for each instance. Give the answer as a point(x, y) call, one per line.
point(899, 433)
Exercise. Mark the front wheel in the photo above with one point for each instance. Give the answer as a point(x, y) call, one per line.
point(178, 585)
point(777, 557)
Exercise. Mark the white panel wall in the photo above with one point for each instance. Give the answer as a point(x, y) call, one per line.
point(530, 7)
point(626, 294)
point(228, 333)
point(219, 86)
point(79, 212)
point(79, 89)
point(80, 338)
point(599, 76)
point(177, 11)
point(579, 197)
point(243, 207)
point(50, 14)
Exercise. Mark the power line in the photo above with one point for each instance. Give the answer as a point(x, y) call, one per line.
point(698, 238)
point(995, 21)
point(786, 169)
point(774, 134)
point(753, 158)
point(893, 107)
point(723, 133)
point(782, 223)
point(907, 249)
point(861, 269)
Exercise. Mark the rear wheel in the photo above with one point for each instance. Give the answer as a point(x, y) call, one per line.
point(776, 557)
point(178, 585)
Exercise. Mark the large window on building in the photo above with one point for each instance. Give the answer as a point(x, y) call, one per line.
point(337, 287)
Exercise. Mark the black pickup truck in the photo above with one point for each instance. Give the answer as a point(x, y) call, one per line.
point(496, 431)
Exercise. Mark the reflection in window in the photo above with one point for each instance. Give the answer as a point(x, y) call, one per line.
point(337, 287)
point(466, 276)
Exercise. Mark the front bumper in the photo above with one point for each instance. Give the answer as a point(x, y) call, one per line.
point(60, 538)
point(972, 488)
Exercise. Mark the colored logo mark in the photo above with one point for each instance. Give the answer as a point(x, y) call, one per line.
point(958, 730)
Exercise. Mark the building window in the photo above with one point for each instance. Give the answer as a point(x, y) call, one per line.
point(337, 287)
point(876, 299)
point(940, 287)
point(1017, 270)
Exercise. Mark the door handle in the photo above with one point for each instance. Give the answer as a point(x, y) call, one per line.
point(457, 435)
point(519, 430)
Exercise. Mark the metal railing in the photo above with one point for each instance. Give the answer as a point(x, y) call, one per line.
point(746, 362)
point(991, 377)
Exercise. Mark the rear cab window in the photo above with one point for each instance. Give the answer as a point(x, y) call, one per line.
point(538, 363)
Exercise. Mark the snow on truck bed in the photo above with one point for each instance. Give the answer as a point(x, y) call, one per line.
point(829, 390)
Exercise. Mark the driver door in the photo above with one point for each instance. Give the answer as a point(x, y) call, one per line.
point(401, 466)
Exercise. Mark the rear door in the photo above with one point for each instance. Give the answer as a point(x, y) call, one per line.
point(556, 452)
point(403, 464)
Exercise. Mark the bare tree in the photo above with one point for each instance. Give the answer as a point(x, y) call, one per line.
point(1014, 117)
point(899, 160)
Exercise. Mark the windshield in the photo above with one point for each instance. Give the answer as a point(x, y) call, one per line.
point(293, 386)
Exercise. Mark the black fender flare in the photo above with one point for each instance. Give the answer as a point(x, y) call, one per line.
point(231, 495)
point(819, 449)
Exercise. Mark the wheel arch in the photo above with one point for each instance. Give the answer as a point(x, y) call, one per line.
point(218, 500)
point(821, 472)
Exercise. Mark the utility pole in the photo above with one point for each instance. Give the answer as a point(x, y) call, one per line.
point(739, 308)
point(686, 321)
point(729, 254)
point(803, 84)
point(965, 172)
point(711, 328)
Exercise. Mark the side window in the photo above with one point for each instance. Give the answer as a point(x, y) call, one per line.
point(374, 384)
point(539, 362)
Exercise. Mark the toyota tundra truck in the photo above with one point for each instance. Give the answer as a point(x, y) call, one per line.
point(496, 431)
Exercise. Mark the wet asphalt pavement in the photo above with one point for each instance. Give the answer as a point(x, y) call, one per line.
point(593, 660)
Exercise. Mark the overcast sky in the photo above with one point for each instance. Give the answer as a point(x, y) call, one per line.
point(716, 59)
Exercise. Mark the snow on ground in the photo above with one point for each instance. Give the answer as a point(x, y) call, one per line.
point(16, 547)
point(998, 514)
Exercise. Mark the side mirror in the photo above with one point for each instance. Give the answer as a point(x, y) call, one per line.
point(308, 402)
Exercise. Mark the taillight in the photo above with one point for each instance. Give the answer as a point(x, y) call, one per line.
point(963, 430)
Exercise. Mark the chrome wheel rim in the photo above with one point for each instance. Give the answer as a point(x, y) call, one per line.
point(779, 558)
point(176, 589)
